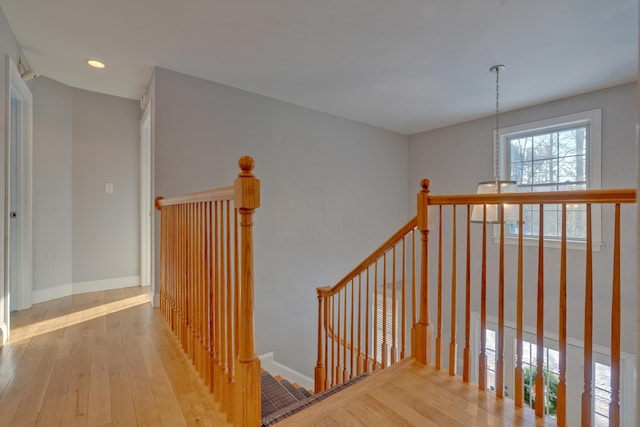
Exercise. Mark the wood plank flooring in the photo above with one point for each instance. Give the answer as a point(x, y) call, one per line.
point(99, 359)
point(411, 394)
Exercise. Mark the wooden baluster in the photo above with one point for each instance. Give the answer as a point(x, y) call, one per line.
point(237, 297)
point(424, 330)
point(375, 317)
point(216, 305)
point(351, 341)
point(223, 314)
point(540, 391)
point(385, 348)
point(519, 373)
point(439, 319)
point(500, 334)
point(319, 371)
point(186, 335)
point(482, 362)
point(587, 397)
point(338, 373)
point(614, 405)
point(247, 365)
point(230, 314)
point(403, 314)
point(366, 326)
point(191, 325)
point(203, 290)
point(414, 299)
point(561, 391)
point(466, 369)
point(345, 375)
point(360, 363)
point(178, 283)
point(333, 343)
point(452, 343)
point(211, 298)
point(197, 286)
point(163, 261)
point(394, 346)
point(328, 323)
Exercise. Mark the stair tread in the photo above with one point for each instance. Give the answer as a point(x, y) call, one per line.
point(274, 396)
point(299, 393)
point(298, 406)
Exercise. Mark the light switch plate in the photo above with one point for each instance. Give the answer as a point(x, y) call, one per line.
point(108, 187)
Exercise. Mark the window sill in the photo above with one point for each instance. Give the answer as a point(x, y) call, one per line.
point(579, 245)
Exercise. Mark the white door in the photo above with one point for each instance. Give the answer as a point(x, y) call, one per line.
point(18, 197)
point(14, 218)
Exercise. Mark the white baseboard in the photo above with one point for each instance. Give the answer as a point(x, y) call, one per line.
point(269, 364)
point(60, 291)
point(47, 294)
point(5, 333)
point(105, 284)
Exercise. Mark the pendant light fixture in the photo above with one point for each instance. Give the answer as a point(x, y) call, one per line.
point(496, 186)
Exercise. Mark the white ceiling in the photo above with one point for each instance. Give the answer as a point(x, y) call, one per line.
point(402, 65)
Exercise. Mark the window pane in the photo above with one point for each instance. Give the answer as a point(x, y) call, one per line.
point(545, 171)
point(521, 149)
point(552, 161)
point(545, 146)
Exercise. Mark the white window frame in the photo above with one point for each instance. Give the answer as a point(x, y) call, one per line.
point(591, 118)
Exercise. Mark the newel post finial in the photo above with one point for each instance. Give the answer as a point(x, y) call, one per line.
point(423, 205)
point(246, 164)
point(424, 184)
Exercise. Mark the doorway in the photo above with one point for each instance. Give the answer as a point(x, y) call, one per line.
point(146, 278)
point(18, 197)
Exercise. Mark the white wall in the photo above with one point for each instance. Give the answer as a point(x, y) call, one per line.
point(84, 239)
point(52, 216)
point(455, 158)
point(332, 191)
point(105, 149)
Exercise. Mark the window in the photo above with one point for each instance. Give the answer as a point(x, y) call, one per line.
point(560, 154)
point(601, 391)
point(602, 395)
point(382, 328)
point(491, 359)
point(550, 373)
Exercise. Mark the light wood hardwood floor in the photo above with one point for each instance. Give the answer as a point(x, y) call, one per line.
point(99, 359)
point(411, 394)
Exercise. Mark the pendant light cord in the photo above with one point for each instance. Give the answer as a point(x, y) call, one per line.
point(497, 146)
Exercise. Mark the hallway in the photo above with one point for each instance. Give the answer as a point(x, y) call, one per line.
point(102, 358)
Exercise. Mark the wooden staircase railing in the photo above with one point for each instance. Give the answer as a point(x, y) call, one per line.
point(206, 288)
point(340, 314)
point(372, 297)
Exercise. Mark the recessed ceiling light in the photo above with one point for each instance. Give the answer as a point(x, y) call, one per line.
point(95, 63)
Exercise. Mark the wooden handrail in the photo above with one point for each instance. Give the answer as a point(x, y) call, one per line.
point(342, 307)
point(618, 195)
point(218, 194)
point(386, 246)
point(206, 288)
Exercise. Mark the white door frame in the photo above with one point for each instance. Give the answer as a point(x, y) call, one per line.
point(146, 207)
point(16, 88)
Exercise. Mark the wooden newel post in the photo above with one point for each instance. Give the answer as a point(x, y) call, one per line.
point(423, 331)
point(320, 371)
point(246, 406)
